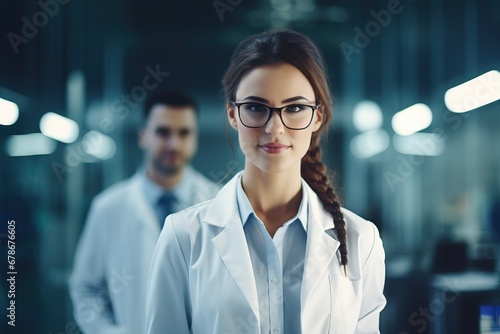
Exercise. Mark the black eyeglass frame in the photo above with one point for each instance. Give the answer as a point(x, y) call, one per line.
point(277, 110)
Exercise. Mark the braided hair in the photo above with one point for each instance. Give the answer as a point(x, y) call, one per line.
point(287, 46)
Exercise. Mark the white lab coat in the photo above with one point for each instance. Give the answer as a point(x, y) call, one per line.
point(109, 279)
point(201, 278)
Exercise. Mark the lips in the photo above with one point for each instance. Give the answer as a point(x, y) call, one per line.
point(274, 147)
point(170, 157)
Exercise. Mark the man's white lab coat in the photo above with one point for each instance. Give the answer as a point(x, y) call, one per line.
point(109, 279)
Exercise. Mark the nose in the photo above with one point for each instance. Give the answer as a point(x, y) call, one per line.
point(275, 125)
point(172, 141)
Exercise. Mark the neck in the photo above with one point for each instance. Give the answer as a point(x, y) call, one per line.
point(275, 197)
point(167, 181)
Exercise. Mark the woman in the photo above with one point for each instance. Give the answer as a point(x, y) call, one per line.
point(274, 252)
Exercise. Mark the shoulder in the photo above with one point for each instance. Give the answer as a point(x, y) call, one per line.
point(189, 221)
point(108, 207)
point(357, 226)
point(113, 196)
point(187, 230)
point(363, 238)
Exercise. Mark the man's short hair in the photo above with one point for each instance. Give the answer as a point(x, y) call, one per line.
point(169, 98)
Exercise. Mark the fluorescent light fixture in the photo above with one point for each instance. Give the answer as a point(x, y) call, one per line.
point(98, 145)
point(29, 144)
point(9, 112)
point(474, 93)
point(367, 116)
point(412, 119)
point(59, 127)
point(427, 144)
point(369, 143)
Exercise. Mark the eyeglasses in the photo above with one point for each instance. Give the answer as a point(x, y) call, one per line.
point(294, 116)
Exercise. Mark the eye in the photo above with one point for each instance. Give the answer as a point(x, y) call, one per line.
point(184, 133)
point(254, 107)
point(163, 132)
point(295, 108)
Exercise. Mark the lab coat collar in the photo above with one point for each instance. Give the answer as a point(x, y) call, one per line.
point(223, 213)
point(246, 209)
point(322, 243)
point(224, 205)
point(140, 209)
point(321, 248)
point(182, 191)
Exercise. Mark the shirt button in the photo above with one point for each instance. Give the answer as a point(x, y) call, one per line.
point(277, 330)
point(274, 280)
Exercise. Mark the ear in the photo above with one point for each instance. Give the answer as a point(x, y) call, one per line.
point(318, 119)
point(231, 115)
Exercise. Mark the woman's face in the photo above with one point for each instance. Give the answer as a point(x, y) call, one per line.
point(275, 86)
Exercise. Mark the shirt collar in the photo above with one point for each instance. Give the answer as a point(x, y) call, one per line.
point(153, 191)
point(246, 210)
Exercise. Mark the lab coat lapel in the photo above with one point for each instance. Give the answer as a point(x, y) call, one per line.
point(321, 246)
point(231, 243)
point(232, 249)
point(142, 211)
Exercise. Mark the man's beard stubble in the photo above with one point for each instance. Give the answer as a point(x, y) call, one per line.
point(168, 170)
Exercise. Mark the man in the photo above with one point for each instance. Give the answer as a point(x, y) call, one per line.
point(109, 281)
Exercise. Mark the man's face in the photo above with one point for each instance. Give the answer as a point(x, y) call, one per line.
point(169, 138)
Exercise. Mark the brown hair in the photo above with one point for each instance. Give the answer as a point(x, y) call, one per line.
point(287, 46)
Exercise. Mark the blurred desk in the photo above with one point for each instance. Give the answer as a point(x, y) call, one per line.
point(456, 299)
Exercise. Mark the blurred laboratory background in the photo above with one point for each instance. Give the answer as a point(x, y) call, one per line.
point(415, 140)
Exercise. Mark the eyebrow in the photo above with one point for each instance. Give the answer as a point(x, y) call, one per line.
point(162, 128)
point(260, 99)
